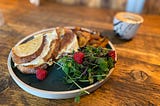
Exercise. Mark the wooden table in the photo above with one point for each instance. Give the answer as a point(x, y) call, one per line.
point(135, 80)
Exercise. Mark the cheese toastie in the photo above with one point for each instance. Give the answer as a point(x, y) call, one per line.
point(43, 50)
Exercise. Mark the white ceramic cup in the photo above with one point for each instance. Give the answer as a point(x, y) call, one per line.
point(126, 24)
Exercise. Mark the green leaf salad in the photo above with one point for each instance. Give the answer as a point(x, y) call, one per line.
point(90, 65)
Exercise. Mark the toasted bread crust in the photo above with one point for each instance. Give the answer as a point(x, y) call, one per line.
point(54, 47)
point(31, 69)
point(19, 60)
point(66, 39)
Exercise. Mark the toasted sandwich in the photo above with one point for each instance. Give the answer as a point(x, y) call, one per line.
point(43, 50)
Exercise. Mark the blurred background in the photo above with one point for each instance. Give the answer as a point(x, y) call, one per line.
point(136, 6)
point(96, 14)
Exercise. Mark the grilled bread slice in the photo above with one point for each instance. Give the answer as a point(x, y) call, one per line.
point(28, 51)
point(31, 69)
point(68, 41)
point(45, 55)
point(41, 61)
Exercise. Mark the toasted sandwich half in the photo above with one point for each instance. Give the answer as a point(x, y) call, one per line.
point(68, 41)
point(41, 51)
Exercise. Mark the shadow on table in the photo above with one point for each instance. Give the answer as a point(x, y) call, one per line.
point(113, 37)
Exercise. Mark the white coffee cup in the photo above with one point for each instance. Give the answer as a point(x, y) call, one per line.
point(126, 24)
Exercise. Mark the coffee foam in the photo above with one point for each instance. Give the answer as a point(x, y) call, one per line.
point(129, 17)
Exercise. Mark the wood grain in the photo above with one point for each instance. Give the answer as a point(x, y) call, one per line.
point(135, 80)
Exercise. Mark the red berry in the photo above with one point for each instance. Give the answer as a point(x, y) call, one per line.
point(78, 57)
point(41, 74)
point(112, 54)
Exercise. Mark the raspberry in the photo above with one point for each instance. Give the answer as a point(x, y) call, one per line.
point(78, 57)
point(41, 74)
point(112, 54)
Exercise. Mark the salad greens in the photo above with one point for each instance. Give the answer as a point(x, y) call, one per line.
point(95, 67)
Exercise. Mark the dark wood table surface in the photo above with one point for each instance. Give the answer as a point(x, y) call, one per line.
point(135, 80)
